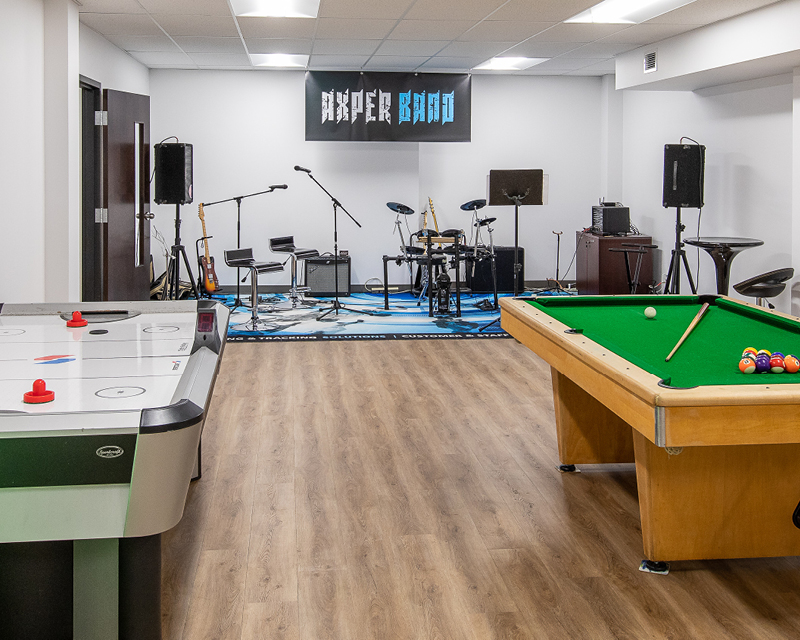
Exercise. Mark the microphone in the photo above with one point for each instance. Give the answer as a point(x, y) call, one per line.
point(279, 186)
point(296, 168)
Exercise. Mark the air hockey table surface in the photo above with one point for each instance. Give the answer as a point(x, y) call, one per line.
point(110, 458)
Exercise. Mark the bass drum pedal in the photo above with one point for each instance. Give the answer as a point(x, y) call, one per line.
point(442, 300)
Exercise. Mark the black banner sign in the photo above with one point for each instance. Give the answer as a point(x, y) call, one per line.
point(425, 107)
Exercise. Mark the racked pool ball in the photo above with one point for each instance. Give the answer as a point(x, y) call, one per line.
point(791, 364)
point(746, 365)
point(650, 312)
point(751, 350)
point(762, 363)
point(776, 364)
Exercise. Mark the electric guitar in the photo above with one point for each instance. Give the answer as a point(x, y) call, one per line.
point(210, 282)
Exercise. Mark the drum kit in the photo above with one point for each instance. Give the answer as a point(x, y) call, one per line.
point(451, 243)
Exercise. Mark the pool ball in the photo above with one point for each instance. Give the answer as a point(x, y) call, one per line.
point(752, 350)
point(776, 364)
point(746, 365)
point(764, 352)
point(791, 363)
point(777, 353)
point(650, 312)
point(762, 363)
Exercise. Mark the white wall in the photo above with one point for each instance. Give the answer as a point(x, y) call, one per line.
point(747, 130)
point(111, 66)
point(22, 161)
point(247, 129)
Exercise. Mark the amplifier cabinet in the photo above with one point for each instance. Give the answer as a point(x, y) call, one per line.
point(320, 275)
point(481, 280)
point(599, 271)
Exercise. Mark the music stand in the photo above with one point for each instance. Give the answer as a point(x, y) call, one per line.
point(238, 301)
point(518, 187)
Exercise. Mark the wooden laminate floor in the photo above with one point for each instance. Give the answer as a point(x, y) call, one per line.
point(408, 490)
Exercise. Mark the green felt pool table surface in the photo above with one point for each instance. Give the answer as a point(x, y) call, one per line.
point(709, 356)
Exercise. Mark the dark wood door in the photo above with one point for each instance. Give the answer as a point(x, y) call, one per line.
point(126, 178)
point(92, 227)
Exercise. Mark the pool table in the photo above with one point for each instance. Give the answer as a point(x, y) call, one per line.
point(717, 451)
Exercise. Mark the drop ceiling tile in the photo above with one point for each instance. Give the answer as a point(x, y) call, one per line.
point(343, 63)
point(394, 63)
point(600, 49)
point(449, 62)
point(359, 9)
point(162, 58)
point(705, 12)
point(541, 10)
point(578, 32)
point(568, 64)
point(602, 68)
point(208, 26)
point(277, 27)
point(220, 59)
point(483, 50)
point(279, 45)
point(193, 44)
point(345, 47)
point(445, 9)
point(429, 29)
point(648, 33)
point(536, 71)
point(110, 6)
point(535, 49)
point(142, 43)
point(187, 7)
point(109, 24)
point(340, 28)
point(504, 31)
point(411, 47)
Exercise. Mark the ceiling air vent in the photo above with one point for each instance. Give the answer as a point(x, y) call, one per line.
point(650, 62)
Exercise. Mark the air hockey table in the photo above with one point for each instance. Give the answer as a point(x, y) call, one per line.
point(90, 478)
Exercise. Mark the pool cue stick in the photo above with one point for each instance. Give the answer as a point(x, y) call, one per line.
point(689, 329)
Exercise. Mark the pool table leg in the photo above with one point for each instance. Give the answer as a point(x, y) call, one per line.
point(588, 432)
point(733, 501)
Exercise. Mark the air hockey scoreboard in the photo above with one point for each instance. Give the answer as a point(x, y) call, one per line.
point(102, 407)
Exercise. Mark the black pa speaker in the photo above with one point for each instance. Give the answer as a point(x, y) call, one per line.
point(481, 280)
point(173, 163)
point(321, 275)
point(683, 175)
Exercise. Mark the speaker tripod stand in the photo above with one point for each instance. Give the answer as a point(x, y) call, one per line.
point(172, 288)
point(673, 282)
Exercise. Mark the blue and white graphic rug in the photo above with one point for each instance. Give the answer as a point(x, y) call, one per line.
point(403, 321)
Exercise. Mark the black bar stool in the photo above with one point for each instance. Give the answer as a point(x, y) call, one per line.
point(243, 258)
point(766, 285)
point(285, 244)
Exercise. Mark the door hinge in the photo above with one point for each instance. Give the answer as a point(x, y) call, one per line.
point(101, 118)
point(101, 215)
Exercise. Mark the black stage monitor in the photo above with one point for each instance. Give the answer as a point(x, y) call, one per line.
point(505, 184)
point(683, 175)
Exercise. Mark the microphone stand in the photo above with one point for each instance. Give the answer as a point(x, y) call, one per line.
point(238, 301)
point(336, 306)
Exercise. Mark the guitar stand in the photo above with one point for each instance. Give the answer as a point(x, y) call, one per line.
point(172, 288)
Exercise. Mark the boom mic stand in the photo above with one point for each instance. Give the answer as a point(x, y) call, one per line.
point(336, 306)
point(172, 288)
point(238, 301)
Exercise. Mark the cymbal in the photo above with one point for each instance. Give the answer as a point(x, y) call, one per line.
point(400, 208)
point(484, 222)
point(473, 205)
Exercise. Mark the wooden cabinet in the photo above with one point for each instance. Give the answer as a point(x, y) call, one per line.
point(600, 271)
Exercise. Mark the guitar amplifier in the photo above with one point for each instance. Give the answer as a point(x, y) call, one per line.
point(321, 279)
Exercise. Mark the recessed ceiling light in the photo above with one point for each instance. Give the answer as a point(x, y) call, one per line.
point(508, 63)
point(276, 8)
point(279, 60)
point(627, 11)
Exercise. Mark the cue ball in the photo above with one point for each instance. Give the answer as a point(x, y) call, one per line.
point(650, 312)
